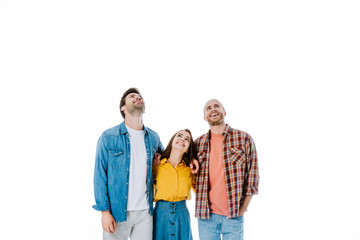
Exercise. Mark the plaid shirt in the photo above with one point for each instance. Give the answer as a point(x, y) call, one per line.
point(240, 166)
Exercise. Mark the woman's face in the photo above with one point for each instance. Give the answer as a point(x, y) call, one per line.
point(181, 141)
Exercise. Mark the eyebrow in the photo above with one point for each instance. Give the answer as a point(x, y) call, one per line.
point(180, 134)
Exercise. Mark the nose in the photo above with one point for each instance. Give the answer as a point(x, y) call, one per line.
point(138, 97)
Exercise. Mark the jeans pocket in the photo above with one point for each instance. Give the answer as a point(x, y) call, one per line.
point(238, 219)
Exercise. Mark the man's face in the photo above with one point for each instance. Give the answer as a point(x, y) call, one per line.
point(214, 113)
point(134, 103)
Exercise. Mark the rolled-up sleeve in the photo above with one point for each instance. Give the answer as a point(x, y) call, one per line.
point(100, 176)
point(252, 182)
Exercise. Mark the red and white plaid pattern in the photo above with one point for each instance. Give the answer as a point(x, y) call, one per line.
point(240, 166)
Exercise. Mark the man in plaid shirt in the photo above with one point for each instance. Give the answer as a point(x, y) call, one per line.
point(227, 179)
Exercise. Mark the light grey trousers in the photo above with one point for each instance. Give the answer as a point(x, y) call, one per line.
point(139, 226)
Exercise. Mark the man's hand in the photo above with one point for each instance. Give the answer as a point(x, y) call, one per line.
point(108, 222)
point(244, 205)
point(195, 167)
point(156, 159)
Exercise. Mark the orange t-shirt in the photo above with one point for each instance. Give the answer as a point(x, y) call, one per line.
point(217, 193)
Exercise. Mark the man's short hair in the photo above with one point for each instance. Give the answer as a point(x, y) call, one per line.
point(122, 101)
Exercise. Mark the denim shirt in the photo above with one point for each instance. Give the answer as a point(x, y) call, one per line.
point(112, 164)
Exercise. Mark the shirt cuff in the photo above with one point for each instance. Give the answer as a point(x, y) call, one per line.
point(251, 190)
point(104, 206)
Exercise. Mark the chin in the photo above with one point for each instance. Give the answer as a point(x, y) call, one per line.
point(217, 123)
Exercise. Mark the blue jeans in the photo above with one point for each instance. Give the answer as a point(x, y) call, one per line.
point(218, 225)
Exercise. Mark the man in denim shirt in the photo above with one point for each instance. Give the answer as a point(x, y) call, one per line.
point(123, 183)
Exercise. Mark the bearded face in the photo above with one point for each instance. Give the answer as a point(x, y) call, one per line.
point(215, 118)
point(214, 113)
point(134, 104)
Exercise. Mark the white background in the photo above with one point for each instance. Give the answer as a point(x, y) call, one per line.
point(286, 72)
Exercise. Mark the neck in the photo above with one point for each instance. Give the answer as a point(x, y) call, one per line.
point(134, 121)
point(175, 157)
point(218, 129)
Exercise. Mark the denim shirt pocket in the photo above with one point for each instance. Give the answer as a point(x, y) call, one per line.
point(117, 158)
point(238, 156)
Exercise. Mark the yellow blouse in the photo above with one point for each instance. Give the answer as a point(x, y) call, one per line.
point(172, 184)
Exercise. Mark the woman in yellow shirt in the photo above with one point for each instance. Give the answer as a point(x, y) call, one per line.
point(173, 181)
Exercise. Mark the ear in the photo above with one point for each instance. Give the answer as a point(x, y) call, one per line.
point(123, 108)
point(225, 114)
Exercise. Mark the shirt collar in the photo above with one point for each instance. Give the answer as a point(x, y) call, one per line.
point(227, 130)
point(123, 129)
point(165, 160)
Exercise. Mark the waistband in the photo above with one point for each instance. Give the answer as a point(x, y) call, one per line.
point(166, 204)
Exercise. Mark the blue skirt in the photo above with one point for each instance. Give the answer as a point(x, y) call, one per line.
point(171, 221)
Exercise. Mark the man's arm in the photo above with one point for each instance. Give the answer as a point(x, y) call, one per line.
point(245, 204)
point(157, 155)
point(194, 164)
point(101, 186)
point(252, 181)
point(100, 177)
point(161, 147)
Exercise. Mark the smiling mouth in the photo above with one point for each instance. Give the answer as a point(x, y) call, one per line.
point(214, 115)
point(180, 143)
